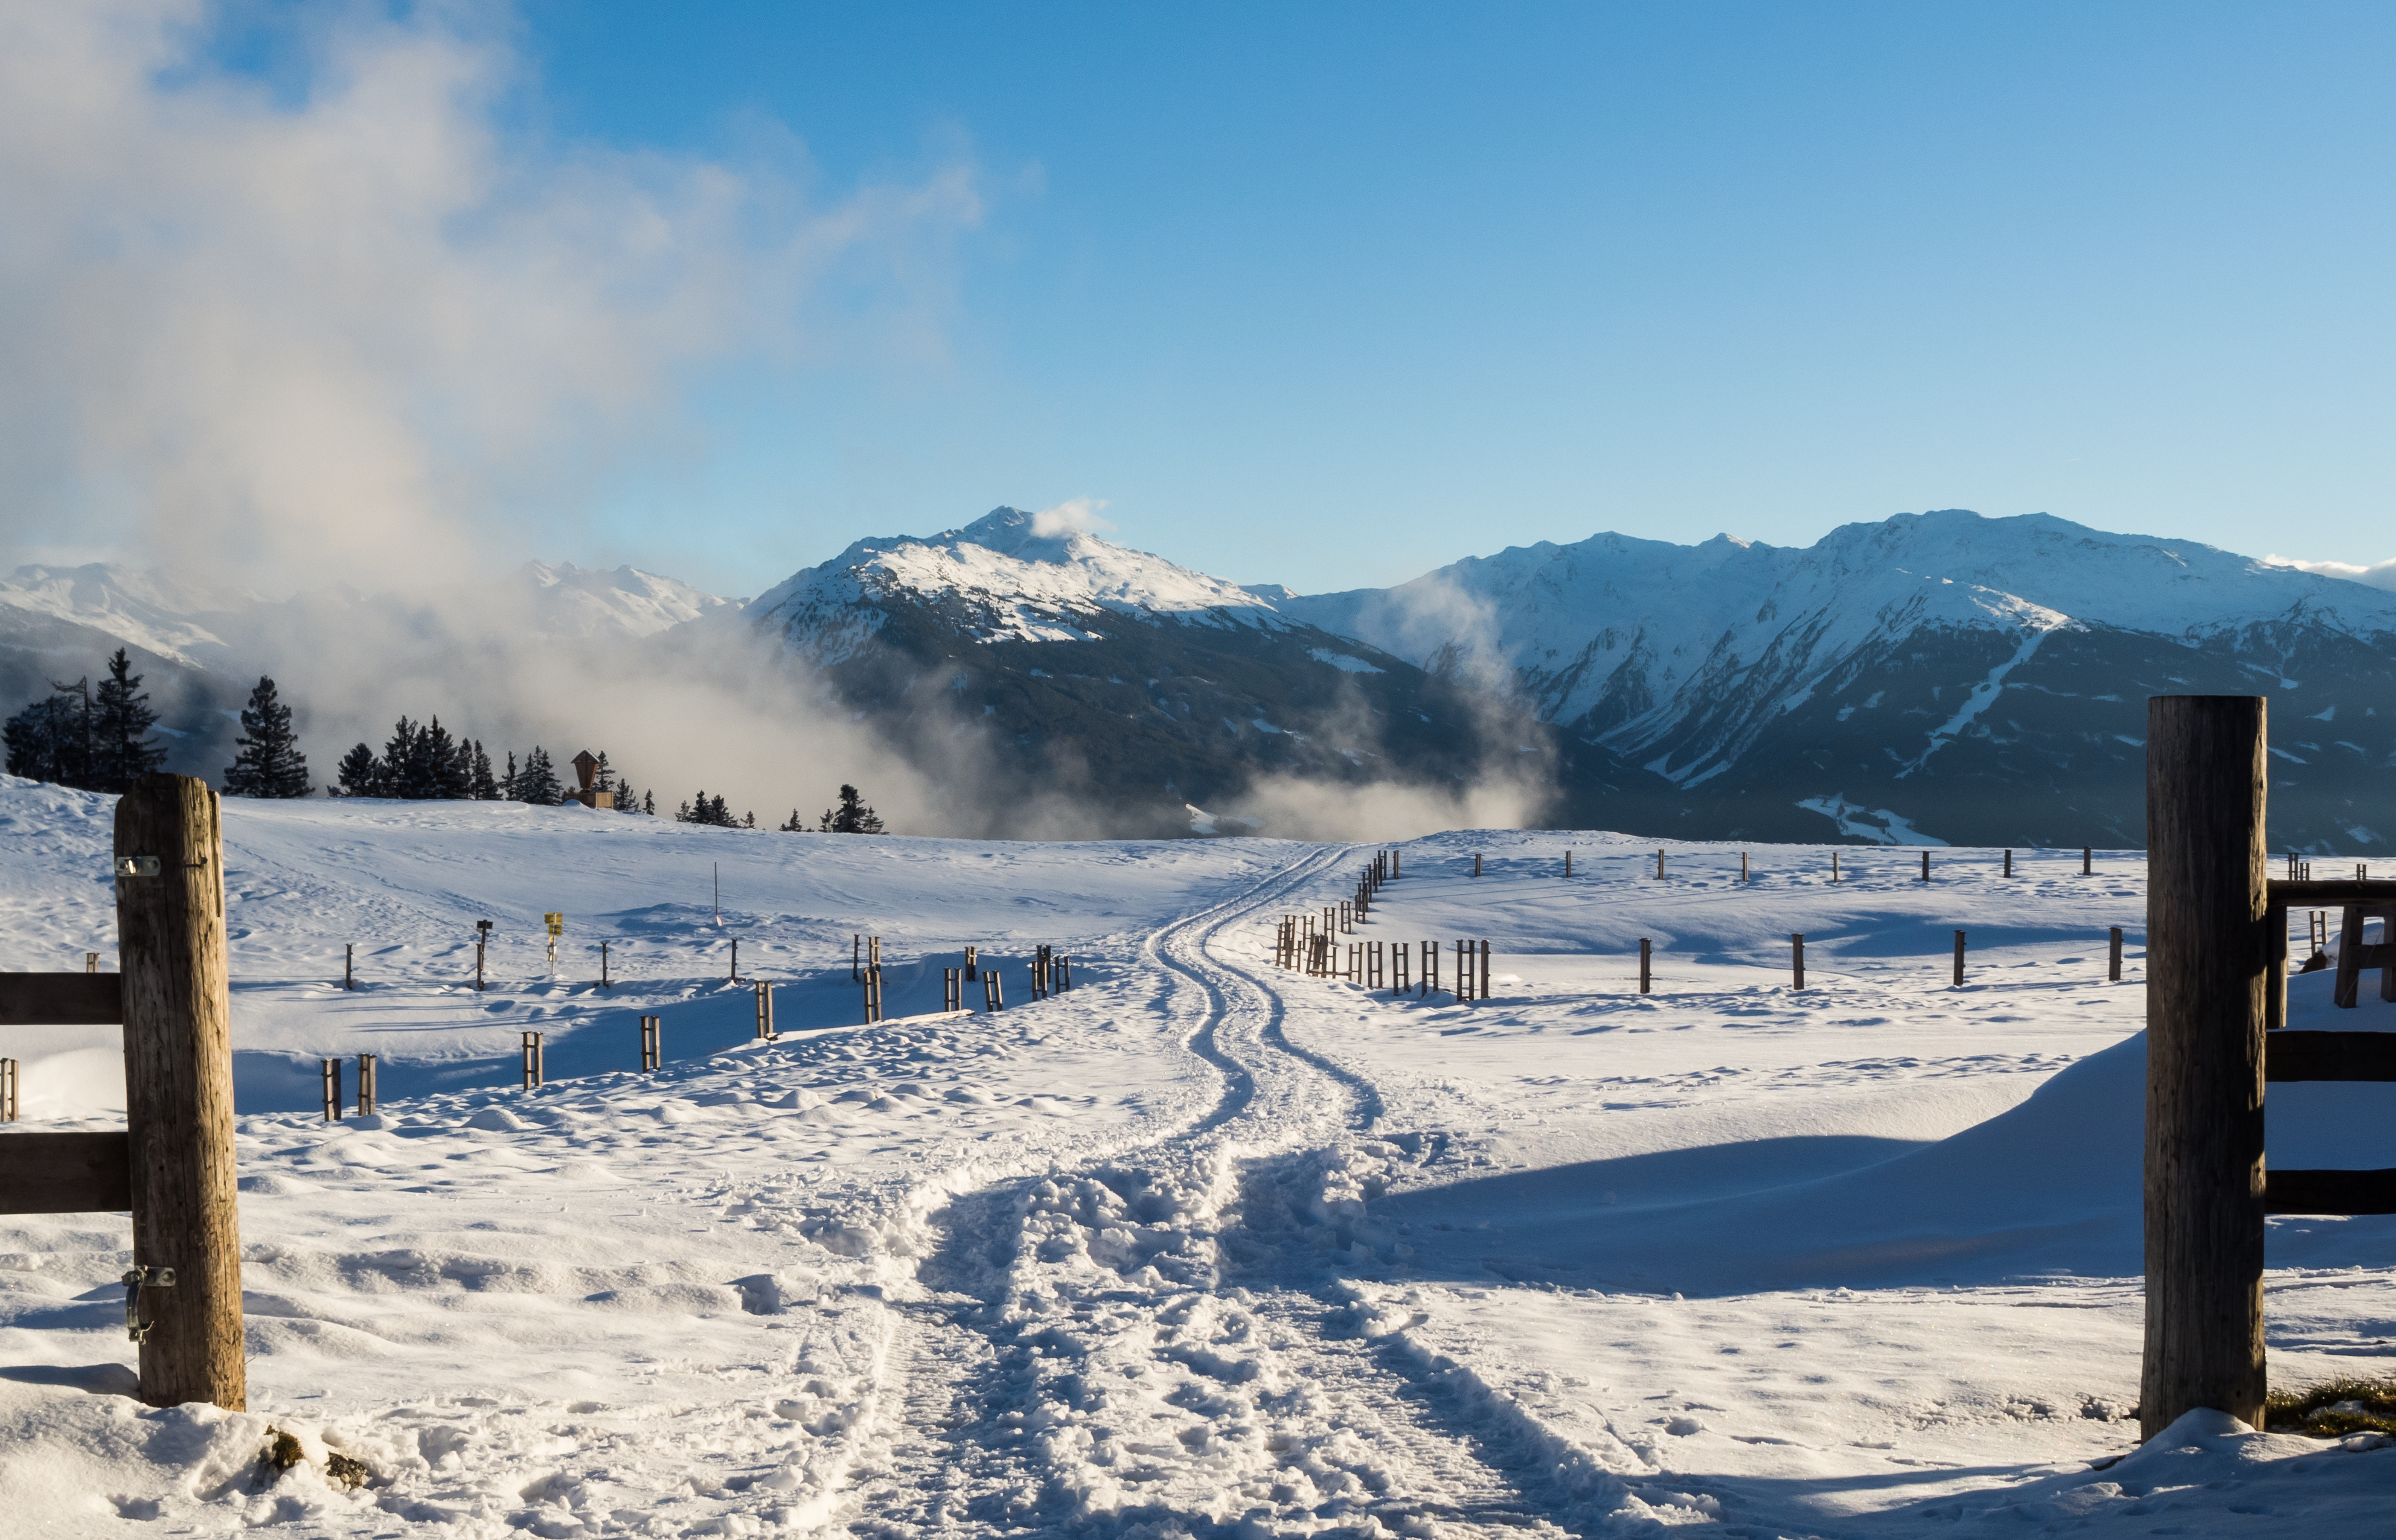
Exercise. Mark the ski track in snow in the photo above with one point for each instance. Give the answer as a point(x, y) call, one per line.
point(1201, 1248)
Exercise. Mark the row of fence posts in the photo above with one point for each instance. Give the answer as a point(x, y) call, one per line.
point(2088, 865)
point(1797, 959)
point(1052, 973)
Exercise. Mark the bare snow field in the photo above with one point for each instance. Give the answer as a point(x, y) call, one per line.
point(1201, 1248)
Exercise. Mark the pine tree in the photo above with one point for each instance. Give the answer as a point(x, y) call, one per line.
point(649, 804)
point(51, 739)
point(121, 725)
point(398, 750)
point(360, 774)
point(266, 762)
point(486, 789)
point(538, 785)
point(514, 780)
point(448, 765)
point(796, 826)
point(853, 816)
point(749, 819)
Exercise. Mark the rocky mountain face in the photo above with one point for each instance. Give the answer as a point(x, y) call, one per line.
point(1938, 677)
point(1047, 665)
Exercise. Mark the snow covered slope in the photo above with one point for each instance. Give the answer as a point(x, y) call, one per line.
point(1004, 576)
point(1132, 687)
point(574, 604)
point(1970, 678)
point(1201, 1247)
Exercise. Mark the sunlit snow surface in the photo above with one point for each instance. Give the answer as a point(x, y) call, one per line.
point(1200, 1248)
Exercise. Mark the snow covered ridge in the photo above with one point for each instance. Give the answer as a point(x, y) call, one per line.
point(1002, 580)
point(1629, 624)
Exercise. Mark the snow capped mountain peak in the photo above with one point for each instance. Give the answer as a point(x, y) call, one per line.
point(146, 609)
point(573, 603)
point(1009, 576)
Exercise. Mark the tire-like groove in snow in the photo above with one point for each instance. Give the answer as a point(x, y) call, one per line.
point(1157, 1342)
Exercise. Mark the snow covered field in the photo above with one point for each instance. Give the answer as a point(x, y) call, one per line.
point(1201, 1248)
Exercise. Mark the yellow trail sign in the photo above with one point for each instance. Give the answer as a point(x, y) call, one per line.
point(556, 923)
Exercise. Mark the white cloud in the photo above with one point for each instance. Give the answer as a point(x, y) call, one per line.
point(1073, 516)
point(359, 331)
point(2381, 575)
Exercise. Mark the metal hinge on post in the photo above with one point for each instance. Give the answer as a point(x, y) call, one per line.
point(136, 1279)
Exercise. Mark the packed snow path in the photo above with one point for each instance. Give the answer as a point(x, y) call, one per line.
point(1201, 1248)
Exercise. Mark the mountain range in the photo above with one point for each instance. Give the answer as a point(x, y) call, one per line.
point(1928, 678)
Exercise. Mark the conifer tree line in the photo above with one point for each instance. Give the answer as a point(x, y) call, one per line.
point(96, 738)
point(422, 761)
point(852, 816)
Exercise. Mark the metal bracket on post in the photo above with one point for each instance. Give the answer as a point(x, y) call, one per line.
point(135, 1280)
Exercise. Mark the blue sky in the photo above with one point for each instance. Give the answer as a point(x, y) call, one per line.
point(1332, 293)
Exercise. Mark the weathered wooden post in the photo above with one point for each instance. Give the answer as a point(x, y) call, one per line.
point(953, 989)
point(2207, 967)
point(873, 995)
point(91, 963)
point(1642, 964)
point(735, 960)
point(349, 964)
point(1959, 959)
point(478, 967)
point(2009, 863)
point(1834, 866)
point(2088, 853)
point(1742, 865)
point(652, 1043)
point(1485, 970)
point(1476, 863)
point(1567, 863)
point(1393, 864)
point(329, 1072)
point(1659, 866)
point(534, 1061)
point(1797, 960)
point(2113, 959)
point(766, 1011)
point(1926, 863)
point(993, 997)
point(973, 964)
point(366, 1084)
point(7, 1090)
point(1431, 969)
point(856, 958)
point(604, 981)
point(170, 929)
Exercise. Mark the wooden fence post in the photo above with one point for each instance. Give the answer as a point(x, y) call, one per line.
point(366, 1084)
point(2009, 863)
point(91, 963)
point(1926, 863)
point(973, 964)
point(735, 960)
point(535, 1061)
point(349, 964)
point(994, 996)
point(604, 981)
point(1642, 964)
point(329, 1072)
point(766, 1011)
point(1742, 865)
point(1834, 866)
point(1659, 866)
point(1797, 960)
point(478, 967)
point(1959, 959)
point(2088, 853)
point(1567, 863)
point(1476, 863)
point(652, 1042)
point(2207, 967)
point(7, 1090)
point(170, 930)
point(2113, 962)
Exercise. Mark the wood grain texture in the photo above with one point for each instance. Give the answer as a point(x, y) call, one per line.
point(2330, 1192)
point(178, 1090)
point(65, 1174)
point(2208, 964)
point(61, 1000)
point(2330, 892)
